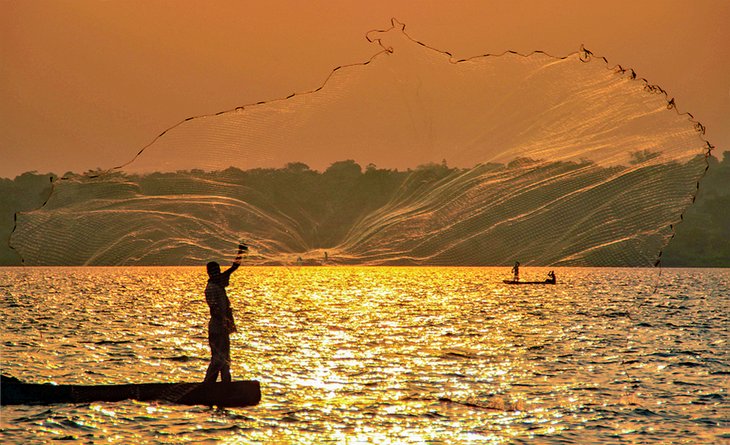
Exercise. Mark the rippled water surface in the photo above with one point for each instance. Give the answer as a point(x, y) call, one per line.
point(380, 355)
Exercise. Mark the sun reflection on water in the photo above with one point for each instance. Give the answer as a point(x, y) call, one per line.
point(357, 354)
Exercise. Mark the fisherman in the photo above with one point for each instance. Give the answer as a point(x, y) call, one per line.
point(221, 324)
point(551, 277)
point(516, 270)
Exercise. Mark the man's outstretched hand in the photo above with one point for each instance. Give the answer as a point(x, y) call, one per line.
point(242, 247)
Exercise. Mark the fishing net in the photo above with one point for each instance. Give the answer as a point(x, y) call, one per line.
point(412, 157)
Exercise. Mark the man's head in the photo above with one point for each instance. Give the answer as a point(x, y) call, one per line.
point(213, 269)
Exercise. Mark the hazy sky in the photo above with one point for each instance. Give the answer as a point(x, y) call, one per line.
point(86, 84)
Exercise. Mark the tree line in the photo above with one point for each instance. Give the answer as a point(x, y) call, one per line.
point(325, 204)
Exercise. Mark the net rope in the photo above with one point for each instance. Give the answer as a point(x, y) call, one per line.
point(554, 161)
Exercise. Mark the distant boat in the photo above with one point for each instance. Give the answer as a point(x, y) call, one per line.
point(224, 395)
point(528, 282)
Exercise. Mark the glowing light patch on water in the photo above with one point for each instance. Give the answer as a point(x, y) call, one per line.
point(431, 354)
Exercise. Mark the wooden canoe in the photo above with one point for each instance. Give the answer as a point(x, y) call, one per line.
point(527, 282)
point(224, 395)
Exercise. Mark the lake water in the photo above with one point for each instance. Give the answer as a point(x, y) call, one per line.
point(380, 355)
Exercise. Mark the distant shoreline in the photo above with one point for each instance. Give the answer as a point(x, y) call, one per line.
point(701, 239)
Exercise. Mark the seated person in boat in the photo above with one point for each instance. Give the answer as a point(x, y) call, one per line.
point(551, 277)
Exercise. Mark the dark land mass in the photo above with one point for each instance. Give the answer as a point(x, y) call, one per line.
point(335, 197)
point(702, 239)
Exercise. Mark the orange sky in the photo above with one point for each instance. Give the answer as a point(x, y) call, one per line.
point(85, 84)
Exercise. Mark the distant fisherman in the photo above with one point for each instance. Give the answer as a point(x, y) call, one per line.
point(551, 277)
point(221, 324)
point(516, 270)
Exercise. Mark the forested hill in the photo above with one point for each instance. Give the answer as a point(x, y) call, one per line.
point(24, 193)
point(702, 239)
point(362, 210)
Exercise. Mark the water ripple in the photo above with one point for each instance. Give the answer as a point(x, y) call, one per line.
point(364, 355)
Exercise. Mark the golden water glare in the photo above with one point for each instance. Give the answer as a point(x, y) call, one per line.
point(364, 354)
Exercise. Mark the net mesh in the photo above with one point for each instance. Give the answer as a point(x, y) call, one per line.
point(412, 157)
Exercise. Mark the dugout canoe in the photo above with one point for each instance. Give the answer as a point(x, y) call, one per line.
point(528, 282)
point(224, 395)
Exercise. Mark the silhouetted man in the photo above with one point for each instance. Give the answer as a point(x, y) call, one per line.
point(551, 277)
point(221, 324)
